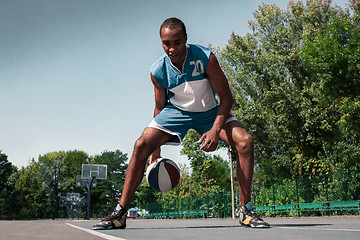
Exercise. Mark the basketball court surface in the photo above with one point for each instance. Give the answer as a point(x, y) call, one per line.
point(326, 228)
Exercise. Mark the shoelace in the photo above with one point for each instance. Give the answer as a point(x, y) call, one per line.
point(254, 215)
point(112, 215)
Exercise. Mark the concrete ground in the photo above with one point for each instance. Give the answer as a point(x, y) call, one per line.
point(317, 228)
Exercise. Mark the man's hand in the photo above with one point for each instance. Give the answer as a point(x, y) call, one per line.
point(211, 139)
point(154, 156)
point(220, 85)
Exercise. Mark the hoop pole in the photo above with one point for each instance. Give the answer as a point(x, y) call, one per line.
point(89, 198)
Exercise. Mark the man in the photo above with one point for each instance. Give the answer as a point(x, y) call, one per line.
point(186, 79)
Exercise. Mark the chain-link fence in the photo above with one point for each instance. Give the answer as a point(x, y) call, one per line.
point(212, 205)
point(337, 186)
point(340, 186)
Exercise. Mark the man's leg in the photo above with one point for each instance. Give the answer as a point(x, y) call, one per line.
point(237, 137)
point(150, 140)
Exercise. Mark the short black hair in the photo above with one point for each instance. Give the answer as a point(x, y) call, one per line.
point(172, 23)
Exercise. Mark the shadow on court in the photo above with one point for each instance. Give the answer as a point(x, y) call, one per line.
point(290, 225)
point(301, 225)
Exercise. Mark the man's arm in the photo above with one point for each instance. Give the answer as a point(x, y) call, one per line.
point(160, 103)
point(220, 85)
point(160, 96)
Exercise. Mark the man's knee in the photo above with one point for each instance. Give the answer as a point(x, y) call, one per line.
point(151, 139)
point(142, 144)
point(245, 143)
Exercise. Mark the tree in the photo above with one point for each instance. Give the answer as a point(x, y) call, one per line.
point(51, 167)
point(12, 204)
point(107, 192)
point(6, 188)
point(58, 171)
point(145, 194)
point(332, 57)
point(6, 169)
point(73, 161)
point(277, 96)
point(32, 193)
point(210, 173)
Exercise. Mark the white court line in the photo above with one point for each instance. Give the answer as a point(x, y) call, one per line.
point(96, 233)
point(324, 229)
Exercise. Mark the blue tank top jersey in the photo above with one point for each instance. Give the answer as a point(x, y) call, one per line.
point(188, 90)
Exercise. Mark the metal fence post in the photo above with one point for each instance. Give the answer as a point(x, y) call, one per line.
point(273, 188)
point(253, 195)
point(297, 191)
point(326, 192)
point(219, 204)
point(224, 197)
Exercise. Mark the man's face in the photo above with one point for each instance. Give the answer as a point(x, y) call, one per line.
point(173, 42)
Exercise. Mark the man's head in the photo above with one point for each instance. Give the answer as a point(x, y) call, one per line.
point(173, 37)
point(172, 23)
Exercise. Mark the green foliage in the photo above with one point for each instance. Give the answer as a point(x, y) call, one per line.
point(116, 164)
point(344, 185)
point(33, 195)
point(332, 56)
point(322, 188)
point(295, 80)
point(145, 194)
point(33, 192)
point(336, 186)
point(73, 161)
point(210, 202)
point(107, 192)
point(7, 196)
point(57, 172)
point(51, 166)
point(263, 195)
point(283, 192)
point(210, 172)
point(6, 169)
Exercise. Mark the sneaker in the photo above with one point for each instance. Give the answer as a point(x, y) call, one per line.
point(116, 220)
point(247, 217)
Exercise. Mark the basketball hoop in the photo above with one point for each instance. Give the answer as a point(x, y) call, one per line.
point(73, 202)
point(89, 174)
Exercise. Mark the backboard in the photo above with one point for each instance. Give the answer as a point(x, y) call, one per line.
point(96, 171)
point(73, 197)
point(80, 182)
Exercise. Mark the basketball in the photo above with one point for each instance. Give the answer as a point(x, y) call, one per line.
point(163, 175)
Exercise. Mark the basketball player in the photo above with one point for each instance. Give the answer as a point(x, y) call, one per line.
point(186, 78)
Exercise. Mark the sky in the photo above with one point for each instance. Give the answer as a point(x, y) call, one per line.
point(74, 74)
